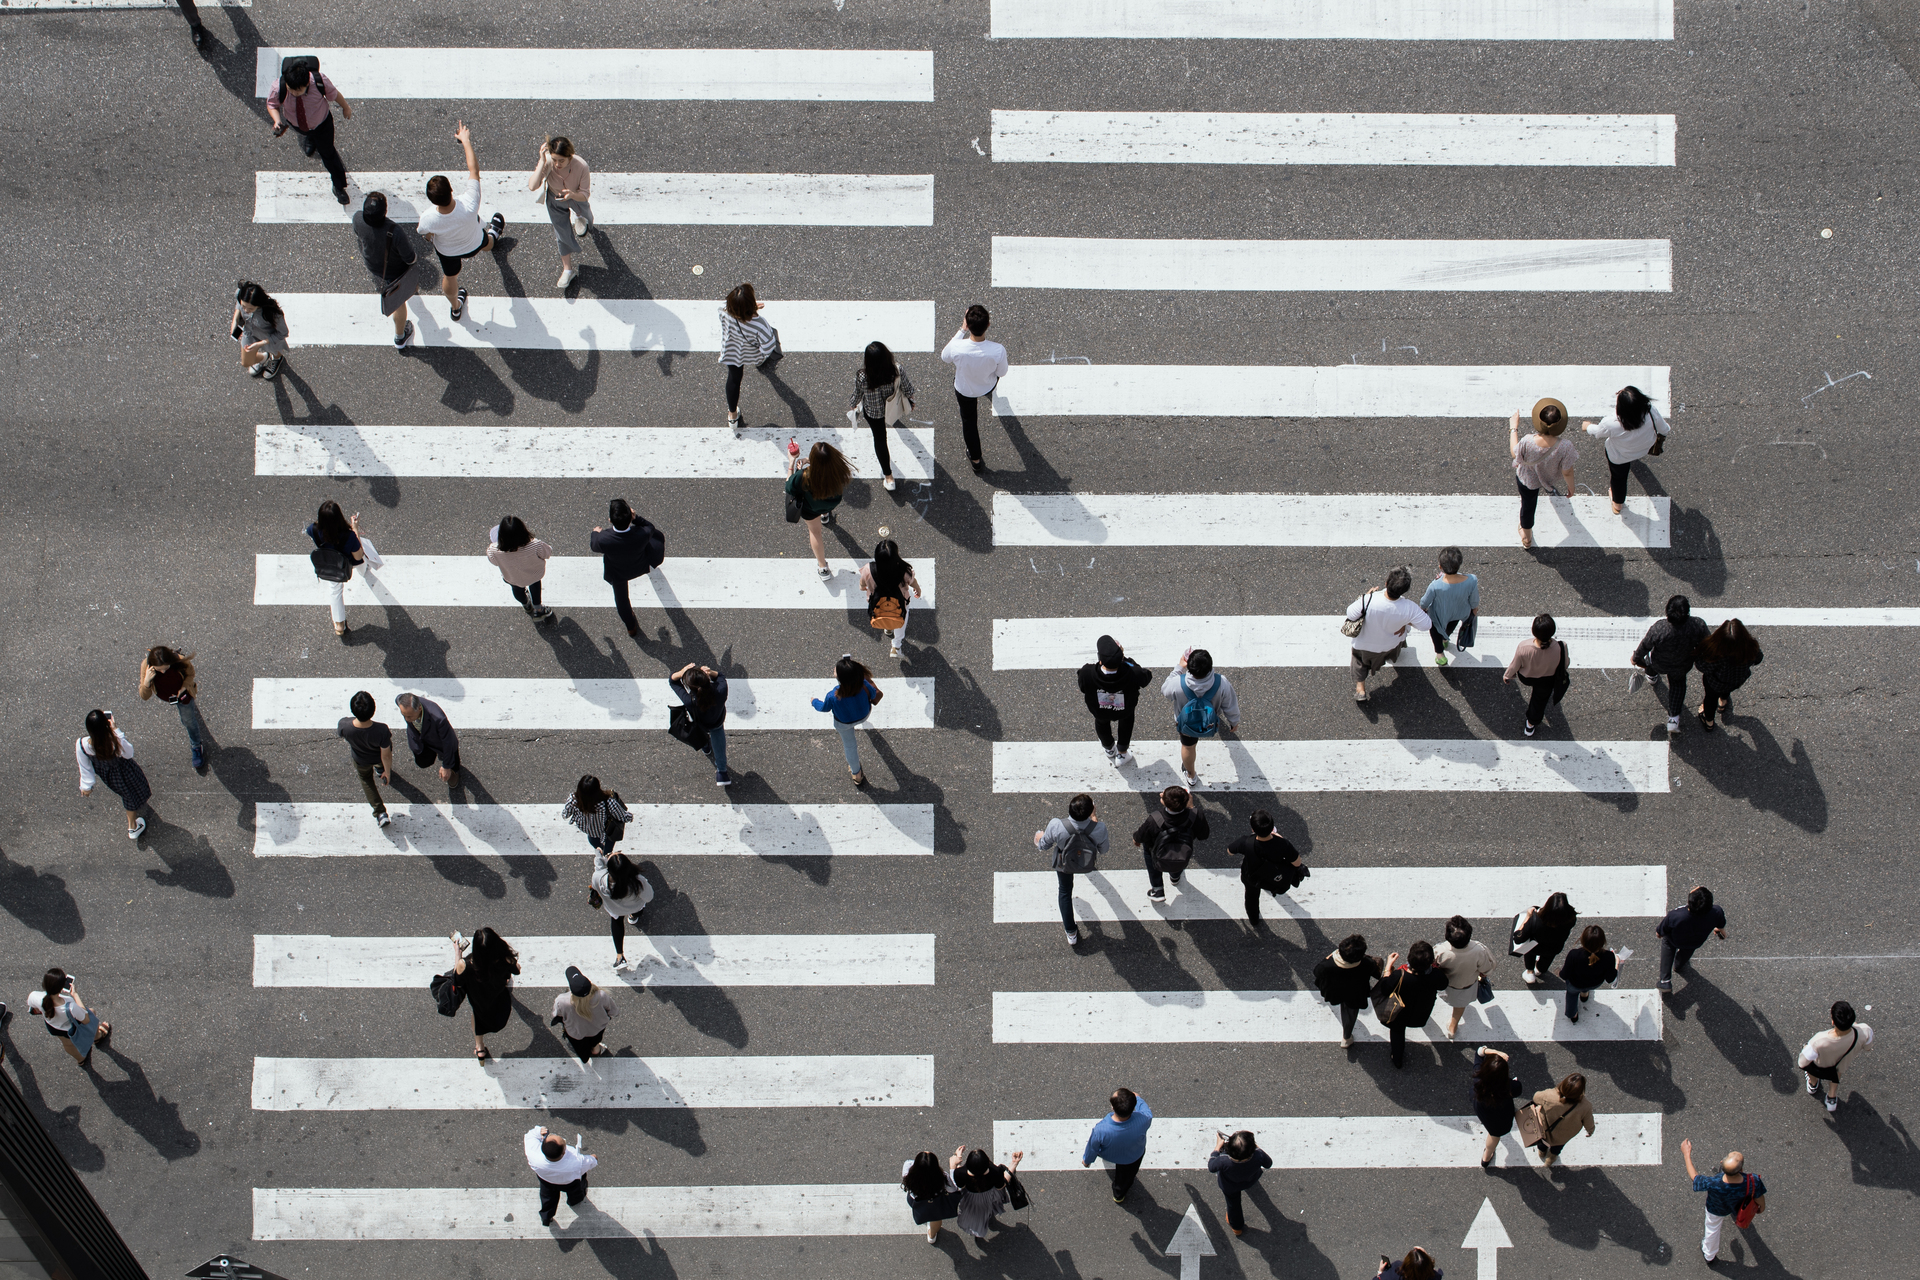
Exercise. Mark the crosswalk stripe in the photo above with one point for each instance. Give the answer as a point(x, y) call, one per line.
point(108, 4)
point(659, 960)
point(1301, 1017)
point(562, 704)
point(314, 830)
point(608, 1213)
point(634, 199)
point(1396, 520)
point(512, 1084)
point(1319, 20)
point(1353, 764)
point(496, 453)
point(1330, 893)
point(1248, 137)
point(582, 75)
point(1314, 640)
point(1298, 391)
point(1061, 262)
point(603, 324)
point(1337, 1142)
point(574, 582)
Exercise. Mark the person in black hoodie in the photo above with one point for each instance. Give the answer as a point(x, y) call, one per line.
point(1588, 966)
point(1345, 978)
point(1418, 984)
point(1668, 650)
point(632, 548)
point(1726, 658)
point(1112, 687)
point(1268, 862)
point(1166, 839)
point(1546, 927)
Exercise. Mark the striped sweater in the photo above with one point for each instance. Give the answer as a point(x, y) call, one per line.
point(745, 342)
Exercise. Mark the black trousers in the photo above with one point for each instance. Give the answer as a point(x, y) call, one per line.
point(1439, 637)
point(1397, 1037)
point(1672, 957)
point(1529, 499)
point(1617, 478)
point(1540, 960)
point(879, 428)
point(623, 605)
point(1541, 692)
point(1105, 722)
point(969, 423)
point(1253, 892)
point(1349, 1014)
point(1123, 1176)
point(1676, 689)
point(189, 12)
point(529, 597)
point(425, 757)
point(1236, 1216)
point(734, 374)
point(550, 1194)
point(318, 141)
point(583, 1049)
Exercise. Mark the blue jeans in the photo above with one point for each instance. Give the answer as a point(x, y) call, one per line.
point(1066, 900)
point(1573, 998)
point(717, 745)
point(848, 742)
point(190, 717)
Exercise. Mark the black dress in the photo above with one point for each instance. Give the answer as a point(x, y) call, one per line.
point(1498, 1114)
point(126, 779)
point(490, 995)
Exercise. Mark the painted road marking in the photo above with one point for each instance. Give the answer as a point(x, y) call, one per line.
point(1319, 20)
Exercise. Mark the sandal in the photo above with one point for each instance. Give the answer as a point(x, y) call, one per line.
point(859, 779)
point(106, 1034)
point(480, 1053)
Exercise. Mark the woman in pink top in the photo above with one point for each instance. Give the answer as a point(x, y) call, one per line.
point(1541, 461)
point(522, 561)
point(1541, 665)
point(568, 184)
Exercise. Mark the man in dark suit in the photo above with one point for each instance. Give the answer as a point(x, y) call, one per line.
point(430, 736)
point(632, 548)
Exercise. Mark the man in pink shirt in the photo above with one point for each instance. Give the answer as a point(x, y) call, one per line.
point(302, 100)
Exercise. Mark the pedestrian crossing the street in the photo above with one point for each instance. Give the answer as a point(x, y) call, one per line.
point(1319, 20)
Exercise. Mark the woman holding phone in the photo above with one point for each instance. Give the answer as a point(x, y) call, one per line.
point(69, 1018)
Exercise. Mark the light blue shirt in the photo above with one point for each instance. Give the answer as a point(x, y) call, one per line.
point(1446, 602)
point(1121, 1142)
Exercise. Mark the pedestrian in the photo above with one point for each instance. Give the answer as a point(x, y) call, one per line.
point(104, 755)
point(1466, 964)
point(1563, 1112)
point(430, 736)
point(453, 227)
point(1542, 462)
point(1541, 663)
point(485, 971)
point(600, 814)
point(882, 394)
point(1165, 839)
point(388, 253)
point(1725, 659)
point(891, 590)
point(1404, 997)
point(1632, 431)
point(191, 12)
point(568, 184)
point(1112, 685)
point(67, 1016)
point(1120, 1138)
point(1417, 1265)
point(559, 1167)
point(983, 1188)
point(1077, 843)
point(1268, 861)
point(1383, 626)
point(1494, 1089)
point(745, 339)
point(301, 99)
point(338, 545)
point(1820, 1059)
point(1236, 1164)
point(1449, 601)
point(978, 366)
point(814, 488)
point(169, 675)
point(1538, 935)
point(631, 548)
point(522, 561)
point(583, 1012)
point(260, 327)
point(1588, 967)
point(1685, 929)
point(703, 691)
point(1735, 1194)
point(1669, 649)
point(370, 747)
point(1203, 701)
point(618, 888)
point(851, 701)
point(1345, 979)
point(932, 1194)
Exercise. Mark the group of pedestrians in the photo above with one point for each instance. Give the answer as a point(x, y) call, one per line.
point(1543, 458)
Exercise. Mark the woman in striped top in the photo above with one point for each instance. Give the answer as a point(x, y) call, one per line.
point(597, 812)
point(745, 339)
point(873, 386)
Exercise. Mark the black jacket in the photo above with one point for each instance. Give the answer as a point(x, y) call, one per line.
point(1189, 819)
point(1668, 649)
point(1128, 681)
point(1725, 677)
point(1419, 990)
point(1550, 937)
point(1587, 969)
point(385, 249)
point(630, 552)
point(435, 731)
point(1239, 1173)
point(1268, 864)
point(1349, 987)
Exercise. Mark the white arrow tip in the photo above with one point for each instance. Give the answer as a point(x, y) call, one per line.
point(1190, 1237)
point(1486, 1231)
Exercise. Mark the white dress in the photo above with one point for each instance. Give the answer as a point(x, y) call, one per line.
point(1464, 968)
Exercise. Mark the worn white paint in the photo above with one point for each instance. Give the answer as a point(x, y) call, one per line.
point(1332, 19)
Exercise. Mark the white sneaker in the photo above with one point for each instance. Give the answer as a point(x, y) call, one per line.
point(1673, 725)
point(621, 964)
point(1193, 780)
point(567, 277)
point(1113, 753)
point(579, 225)
point(1073, 939)
point(886, 482)
point(1346, 1042)
point(139, 825)
point(383, 818)
point(1530, 977)
point(894, 652)
point(1121, 759)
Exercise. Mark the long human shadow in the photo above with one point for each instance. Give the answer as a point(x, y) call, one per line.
point(615, 279)
point(542, 374)
point(141, 1109)
point(40, 901)
point(191, 862)
point(63, 1126)
point(472, 385)
point(1639, 1069)
point(1696, 556)
point(1582, 1208)
point(535, 872)
point(1879, 1148)
point(1745, 1038)
point(708, 1010)
point(961, 703)
point(1761, 773)
point(408, 651)
point(234, 67)
point(1014, 1252)
point(312, 412)
point(1155, 1223)
point(633, 1258)
point(245, 776)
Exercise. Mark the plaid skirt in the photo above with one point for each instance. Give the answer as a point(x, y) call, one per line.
point(127, 780)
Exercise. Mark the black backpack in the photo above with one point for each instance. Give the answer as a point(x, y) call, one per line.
point(331, 564)
point(1173, 849)
point(293, 65)
point(1079, 855)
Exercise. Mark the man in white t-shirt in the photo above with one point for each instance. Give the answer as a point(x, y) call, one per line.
point(978, 366)
point(1389, 616)
point(452, 226)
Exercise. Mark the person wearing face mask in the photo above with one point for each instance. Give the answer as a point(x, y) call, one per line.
point(260, 327)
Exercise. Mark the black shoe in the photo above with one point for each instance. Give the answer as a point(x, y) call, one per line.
point(199, 34)
point(543, 614)
point(977, 464)
point(459, 305)
point(633, 632)
point(546, 1219)
point(340, 194)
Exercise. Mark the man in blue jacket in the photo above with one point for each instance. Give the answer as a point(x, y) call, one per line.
point(1121, 1140)
point(430, 736)
point(631, 549)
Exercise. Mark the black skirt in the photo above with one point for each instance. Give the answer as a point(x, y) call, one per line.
point(125, 779)
point(491, 1008)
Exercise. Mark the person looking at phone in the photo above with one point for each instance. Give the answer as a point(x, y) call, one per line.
point(301, 99)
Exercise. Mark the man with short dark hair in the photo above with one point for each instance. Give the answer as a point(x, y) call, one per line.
point(370, 744)
point(559, 1168)
point(452, 226)
point(1121, 1140)
point(388, 253)
point(1667, 650)
point(631, 549)
point(1383, 628)
point(978, 366)
point(1725, 1194)
point(1847, 1040)
point(1685, 929)
point(301, 99)
point(430, 736)
point(1165, 839)
point(1077, 842)
point(1112, 686)
point(1236, 1164)
point(1203, 702)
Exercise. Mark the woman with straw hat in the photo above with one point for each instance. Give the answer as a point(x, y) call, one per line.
point(1542, 461)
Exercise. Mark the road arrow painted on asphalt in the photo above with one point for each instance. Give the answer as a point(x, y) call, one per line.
point(1190, 1243)
point(1486, 1236)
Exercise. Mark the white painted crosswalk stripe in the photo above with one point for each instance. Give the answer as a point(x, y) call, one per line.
point(499, 453)
point(574, 582)
point(659, 960)
point(1301, 1017)
point(1346, 138)
point(1321, 20)
point(633, 199)
point(582, 75)
point(1396, 520)
point(1330, 893)
point(567, 1084)
point(1352, 764)
point(5, 5)
point(1062, 262)
point(608, 1213)
point(315, 830)
point(1299, 391)
point(602, 324)
point(1314, 640)
point(506, 703)
point(1337, 1142)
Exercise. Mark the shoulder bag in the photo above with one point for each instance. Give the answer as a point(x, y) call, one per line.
point(1016, 1192)
point(1390, 1006)
point(1526, 1119)
point(793, 503)
point(1485, 992)
point(1351, 627)
point(1469, 631)
point(394, 293)
point(680, 724)
point(1749, 1204)
point(447, 994)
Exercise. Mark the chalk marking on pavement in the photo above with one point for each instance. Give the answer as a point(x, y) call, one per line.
point(1319, 20)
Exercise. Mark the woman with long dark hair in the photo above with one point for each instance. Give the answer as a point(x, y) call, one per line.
point(1632, 431)
point(522, 561)
point(703, 691)
point(599, 813)
point(618, 888)
point(104, 755)
point(882, 394)
point(1494, 1089)
point(1725, 659)
point(1539, 935)
point(169, 674)
point(68, 1017)
point(335, 532)
point(931, 1191)
point(745, 339)
point(1417, 1265)
point(983, 1188)
point(260, 326)
point(891, 588)
point(568, 185)
point(485, 974)
point(814, 488)
point(1588, 967)
point(850, 701)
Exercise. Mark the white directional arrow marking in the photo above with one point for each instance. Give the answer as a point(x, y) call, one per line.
point(1486, 1236)
point(1190, 1243)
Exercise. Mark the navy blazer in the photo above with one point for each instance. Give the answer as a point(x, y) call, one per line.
point(631, 552)
point(435, 731)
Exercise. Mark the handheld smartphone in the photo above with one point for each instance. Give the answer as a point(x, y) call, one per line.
point(236, 333)
point(280, 128)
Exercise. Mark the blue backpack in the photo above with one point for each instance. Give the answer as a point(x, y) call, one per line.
point(1196, 717)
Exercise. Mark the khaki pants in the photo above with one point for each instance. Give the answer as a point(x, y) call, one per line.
point(368, 785)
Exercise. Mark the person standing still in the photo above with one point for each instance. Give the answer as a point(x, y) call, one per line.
point(703, 691)
point(1686, 929)
point(1542, 461)
point(1077, 843)
point(814, 488)
point(388, 253)
point(1669, 649)
point(583, 1013)
point(882, 394)
point(1120, 1138)
point(1725, 659)
point(1727, 1194)
point(745, 339)
point(1844, 1041)
point(1203, 704)
point(1448, 602)
point(978, 366)
point(1541, 664)
point(631, 548)
point(1632, 431)
point(430, 736)
point(452, 226)
point(1383, 628)
point(260, 327)
point(1466, 964)
point(568, 185)
point(1345, 979)
point(370, 746)
point(850, 701)
point(301, 99)
point(521, 559)
point(1111, 685)
point(559, 1167)
point(104, 755)
point(1268, 862)
point(1236, 1164)
point(1417, 984)
point(1165, 839)
point(888, 580)
point(169, 676)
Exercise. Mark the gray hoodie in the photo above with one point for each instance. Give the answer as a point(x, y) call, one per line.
point(1226, 707)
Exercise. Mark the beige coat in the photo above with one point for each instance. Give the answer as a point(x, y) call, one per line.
point(524, 567)
point(1561, 1120)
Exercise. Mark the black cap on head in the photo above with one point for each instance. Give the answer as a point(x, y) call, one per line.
point(1109, 650)
point(577, 981)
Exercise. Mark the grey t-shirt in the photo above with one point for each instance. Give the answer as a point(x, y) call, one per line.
point(1541, 469)
point(365, 743)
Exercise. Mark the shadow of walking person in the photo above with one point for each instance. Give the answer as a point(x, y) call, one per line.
point(63, 1126)
point(1584, 1209)
point(1745, 1038)
point(40, 901)
point(234, 67)
point(148, 1114)
point(191, 862)
point(1758, 771)
point(1880, 1149)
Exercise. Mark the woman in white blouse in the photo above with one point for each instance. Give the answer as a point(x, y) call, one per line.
point(1632, 431)
point(1465, 962)
point(104, 755)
